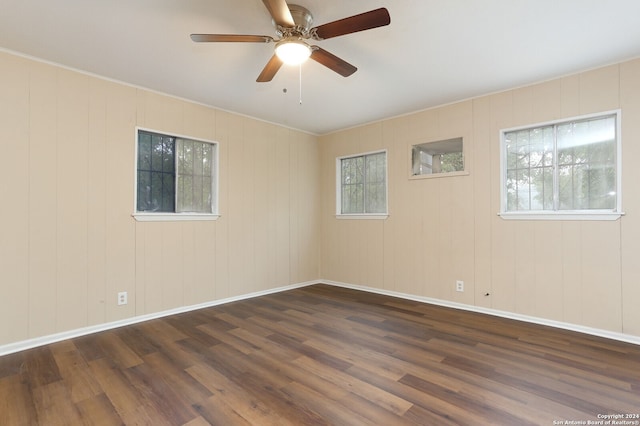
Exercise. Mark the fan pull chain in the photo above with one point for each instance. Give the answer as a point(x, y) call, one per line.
point(300, 87)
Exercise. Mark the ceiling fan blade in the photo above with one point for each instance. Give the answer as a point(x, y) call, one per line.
point(280, 12)
point(270, 70)
point(364, 21)
point(332, 62)
point(199, 38)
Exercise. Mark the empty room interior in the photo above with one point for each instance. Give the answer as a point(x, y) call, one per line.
point(432, 217)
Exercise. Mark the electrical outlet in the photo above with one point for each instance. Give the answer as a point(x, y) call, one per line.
point(122, 298)
point(459, 285)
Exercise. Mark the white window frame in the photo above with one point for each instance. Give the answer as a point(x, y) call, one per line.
point(176, 216)
point(594, 214)
point(379, 216)
point(463, 172)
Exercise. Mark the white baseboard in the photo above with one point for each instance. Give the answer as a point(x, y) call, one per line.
point(504, 314)
point(53, 338)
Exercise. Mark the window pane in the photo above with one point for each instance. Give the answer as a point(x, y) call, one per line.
point(144, 151)
point(374, 190)
point(168, 192)
point(144, 191)
point(168, 157)
point(156, 154)
point(207, 159)
point(195, 167)
point(565, 187)
point(512, 190)
point(155, 203)
point(590, 147)
point(363, 184)
point(583, 173)
point(523, 190)
point(155, 191)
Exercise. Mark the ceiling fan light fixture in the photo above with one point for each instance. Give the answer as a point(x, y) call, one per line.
point(293, 51)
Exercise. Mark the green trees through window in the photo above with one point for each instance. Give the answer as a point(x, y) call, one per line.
point(175, 175)
point(568, 166)
point(363, 184)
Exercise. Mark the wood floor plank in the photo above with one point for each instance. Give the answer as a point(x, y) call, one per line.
point(322, 355)
point(17, 406)
point(98, 411)
point(54, 405)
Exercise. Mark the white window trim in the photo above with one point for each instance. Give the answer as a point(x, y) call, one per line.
point(464, 172)
point(365, 216)
point(438, 175)
point(168, 216)
point(564, 214)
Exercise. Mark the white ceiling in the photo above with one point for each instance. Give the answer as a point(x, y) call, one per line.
point(433, 52)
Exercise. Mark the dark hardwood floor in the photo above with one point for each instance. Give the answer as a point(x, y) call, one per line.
point(323, 355)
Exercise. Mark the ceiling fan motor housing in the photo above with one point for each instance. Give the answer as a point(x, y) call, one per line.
point(303, 20)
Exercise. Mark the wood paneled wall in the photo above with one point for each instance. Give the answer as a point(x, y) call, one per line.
point(440, 230)
point(68, 242)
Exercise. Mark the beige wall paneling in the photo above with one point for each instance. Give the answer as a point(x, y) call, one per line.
point(72, 202)
point(73, 166)
point(503, 232)
point(199, 121)
point(171, 264)
point(482, 196)
point(160, 112)
point(120, 226)
point(525, 267)
point(221, 276)
point(329, 250)
point(260, 136)
point(309, 206)
point(405, 222)
point(393, 133)
point(600, 89)
point(97, 202)
point(548, 276)
point(14, 191)
point(239, 164)
point(572, 271)
point(630, 224)
point(43, 194)
point(148, 251)
point(199, 252)
point(570, 96)
point(270, 259)
point(282, 203)
point(601, 287)
point(332, 246)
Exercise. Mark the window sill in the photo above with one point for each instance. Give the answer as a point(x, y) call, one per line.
point(572, 215)
point(174, 217)
point(363, 216)
point(439, 175)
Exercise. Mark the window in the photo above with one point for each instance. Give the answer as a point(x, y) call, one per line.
point(362, 185)
point(439, 157)
point(567, 168)
point(176, 177)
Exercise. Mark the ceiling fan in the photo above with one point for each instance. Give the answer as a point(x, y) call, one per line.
point(293, 28)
